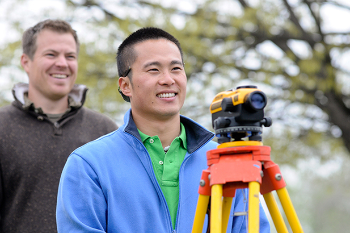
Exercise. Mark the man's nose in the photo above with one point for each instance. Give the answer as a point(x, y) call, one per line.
point(61, 61)
point(166, 78)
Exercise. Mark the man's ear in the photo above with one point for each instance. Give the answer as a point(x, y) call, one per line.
point(125, 86)
point(25, 62)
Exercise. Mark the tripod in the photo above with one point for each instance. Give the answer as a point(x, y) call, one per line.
point(252, 168)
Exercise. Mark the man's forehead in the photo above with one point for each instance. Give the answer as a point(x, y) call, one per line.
point(150, 43)
point(48, 39)
point(151, 48)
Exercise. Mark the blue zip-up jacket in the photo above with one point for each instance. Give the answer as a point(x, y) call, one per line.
point(109, 185)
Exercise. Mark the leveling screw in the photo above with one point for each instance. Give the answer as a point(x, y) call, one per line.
point(278, 177)
point(202, 183)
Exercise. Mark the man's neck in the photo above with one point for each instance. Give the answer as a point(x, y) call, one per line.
point(167, 130)
point(49, 106)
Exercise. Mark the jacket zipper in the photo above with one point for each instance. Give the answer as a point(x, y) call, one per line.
point(181, 167)
point(159, 190)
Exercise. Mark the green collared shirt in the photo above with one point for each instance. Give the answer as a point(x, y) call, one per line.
point(166, 166)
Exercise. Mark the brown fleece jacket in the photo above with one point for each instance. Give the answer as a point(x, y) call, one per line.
point(33, 152)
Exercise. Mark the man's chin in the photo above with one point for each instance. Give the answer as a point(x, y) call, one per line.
point(168, 114)
point(58, 95)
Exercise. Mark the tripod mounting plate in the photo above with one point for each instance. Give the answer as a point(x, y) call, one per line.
point(239, 129)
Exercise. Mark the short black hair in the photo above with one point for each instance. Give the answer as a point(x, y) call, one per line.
point(126, 55)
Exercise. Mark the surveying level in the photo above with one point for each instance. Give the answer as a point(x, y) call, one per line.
point(241, 161)
point(235, 114)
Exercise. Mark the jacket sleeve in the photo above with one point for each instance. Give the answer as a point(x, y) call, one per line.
point(81, 204)
point(240, 223)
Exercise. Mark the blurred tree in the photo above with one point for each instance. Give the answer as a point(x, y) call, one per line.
point(225, 42)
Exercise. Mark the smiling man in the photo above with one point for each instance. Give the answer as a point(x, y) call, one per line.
point(52, 70)
point(44, 124)
point(143, 177)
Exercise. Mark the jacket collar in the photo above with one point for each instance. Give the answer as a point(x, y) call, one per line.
point(76, 96)
point(196, 135)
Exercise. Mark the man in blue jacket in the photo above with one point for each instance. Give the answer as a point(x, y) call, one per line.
point(143, 177)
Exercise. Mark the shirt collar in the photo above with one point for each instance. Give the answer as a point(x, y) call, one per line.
point(182, 136)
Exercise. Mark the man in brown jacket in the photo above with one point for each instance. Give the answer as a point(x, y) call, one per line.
point(44, 124)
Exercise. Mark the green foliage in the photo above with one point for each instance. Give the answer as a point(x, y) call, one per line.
point(218, 46)
point(287, 149)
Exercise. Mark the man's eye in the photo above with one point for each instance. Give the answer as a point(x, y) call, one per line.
point(153, 70)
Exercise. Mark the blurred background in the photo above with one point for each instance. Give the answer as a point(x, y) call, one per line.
point(296, 51)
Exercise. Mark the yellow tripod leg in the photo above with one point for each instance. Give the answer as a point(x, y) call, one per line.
point(216, 208)
point(199, 217)
point(226, 212)
point(253, 207)
point(289, 210)
point(275, 213)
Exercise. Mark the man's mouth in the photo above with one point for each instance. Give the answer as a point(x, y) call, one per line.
point(166, 95)
point(60, 76)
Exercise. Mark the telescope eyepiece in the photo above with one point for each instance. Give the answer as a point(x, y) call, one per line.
point(256, 100)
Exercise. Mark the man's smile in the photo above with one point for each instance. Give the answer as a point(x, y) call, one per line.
point(166, 95)
point(59, 76)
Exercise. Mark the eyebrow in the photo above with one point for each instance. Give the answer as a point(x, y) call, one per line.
point(156, 63)
point(55, 51)
point(176, 62)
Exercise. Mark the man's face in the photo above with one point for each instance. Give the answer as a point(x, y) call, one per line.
point(53, 70)
point(158, 87)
